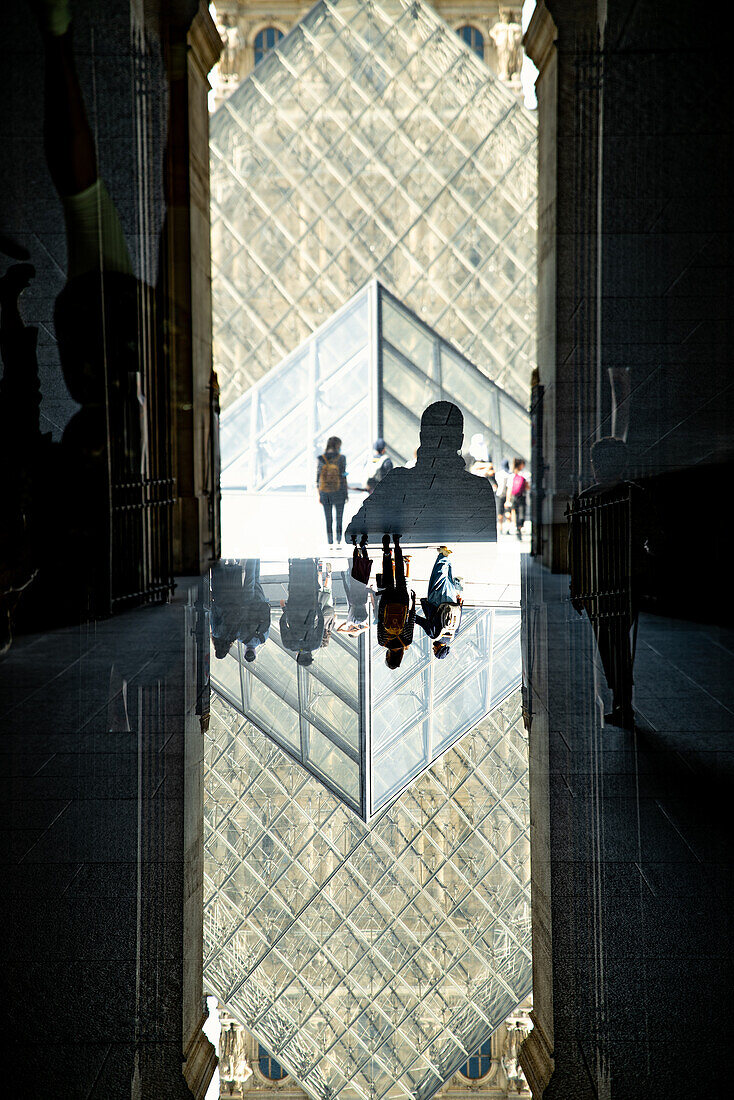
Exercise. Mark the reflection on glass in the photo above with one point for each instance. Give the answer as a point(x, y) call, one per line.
point(272, 713)
point(402, 758)
point(388, 723)
point(341, 771)
point(400, 330)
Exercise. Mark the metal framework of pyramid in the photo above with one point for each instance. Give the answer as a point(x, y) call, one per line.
point(368, 371)
point(371, 961)
point(364, 730)
point(373, 143)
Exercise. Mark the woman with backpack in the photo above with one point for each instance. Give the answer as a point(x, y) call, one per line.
point(396, 612)
point(331, 482)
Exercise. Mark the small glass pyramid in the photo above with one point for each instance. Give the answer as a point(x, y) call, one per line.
point(365, 730)
point(369, 371)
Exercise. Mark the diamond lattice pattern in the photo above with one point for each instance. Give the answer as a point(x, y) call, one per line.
point(372, 142)
point(372, 959)
point(369, 370)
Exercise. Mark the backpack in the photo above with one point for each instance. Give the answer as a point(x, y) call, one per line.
point(394, 617)
point(450, 618)
point(379, 473)
point(330, 478)
point(518, 485)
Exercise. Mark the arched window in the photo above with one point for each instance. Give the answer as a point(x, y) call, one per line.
point(479, 1064)
point(265, 40)
point(473, 38)
point(268, 1066)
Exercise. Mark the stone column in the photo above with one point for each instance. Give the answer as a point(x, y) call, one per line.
point(190, 54)
point(563, 46)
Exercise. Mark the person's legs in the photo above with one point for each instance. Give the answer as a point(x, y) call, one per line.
point(339, 509)
point(613, 642)
point(400, 584)
point(386, 577)
point(440, 587)
point(327, 514)
point(519, 513)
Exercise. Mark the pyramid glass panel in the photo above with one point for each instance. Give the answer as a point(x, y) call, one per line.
point(369, 960)
point(366, 730)
point(368, 371)
point(372, 142)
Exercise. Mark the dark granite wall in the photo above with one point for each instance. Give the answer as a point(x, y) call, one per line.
point(666, 248)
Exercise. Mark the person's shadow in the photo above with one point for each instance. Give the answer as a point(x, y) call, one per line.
point(436, 501)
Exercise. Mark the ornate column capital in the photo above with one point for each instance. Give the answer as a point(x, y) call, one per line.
point(540, 37)
point(536, 1058)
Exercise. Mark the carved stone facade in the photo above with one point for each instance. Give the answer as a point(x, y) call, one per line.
point(241, 1078)
point(240, 22)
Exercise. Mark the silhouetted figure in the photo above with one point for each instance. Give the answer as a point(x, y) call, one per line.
point(99, 545)
point(606, 552)
point(442, 606)
point(331, 482)
point(396, 611)
point(240, 608)
point(438, 500)
point(22, 449)
point(302, 621)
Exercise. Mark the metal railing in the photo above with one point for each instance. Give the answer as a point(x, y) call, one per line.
point(605, 573)
point(141, 544)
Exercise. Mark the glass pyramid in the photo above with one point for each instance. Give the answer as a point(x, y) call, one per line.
point(371, 961)
point(373, 143)
point(361, 728)
point(369, 371)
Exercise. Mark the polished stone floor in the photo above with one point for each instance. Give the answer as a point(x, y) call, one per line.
point(632, 900)
point(98, 744)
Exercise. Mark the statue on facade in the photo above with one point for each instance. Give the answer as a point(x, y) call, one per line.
point(233, 1065)
point(226, 73)
point(516, 1033)
point(229, 61)
point(507, 38)
point(227, 1041)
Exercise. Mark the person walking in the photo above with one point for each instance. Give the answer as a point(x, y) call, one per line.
point(240, 609)
point(481, 460)
point(396, 611)
point(326, 602)
point(442, 607)
point(331, 482)
point(378, 467)
point(613, 534)
point(517, 495)
point(302, 621)
point(503, 477)
point(355, 585)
